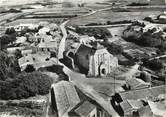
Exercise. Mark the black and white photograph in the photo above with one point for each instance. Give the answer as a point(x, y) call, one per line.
point(82, 58)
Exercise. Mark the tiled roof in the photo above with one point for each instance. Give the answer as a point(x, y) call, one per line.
point(84, 109)
point(66, 97)
point(129, 106)
point(143, 93)
point(145, 111)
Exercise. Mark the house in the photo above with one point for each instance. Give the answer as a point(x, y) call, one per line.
point(48, 46)
point(43, 31)
point(26, 52)
point(153, 28)
point(26, 60)
point(143, 94)
point(101, 63)
point(68, 102)
point(130, 107)
point(162, 18)
point(12, 50)
point(84, 109)
point(86, 40)
point(25, 26)
point(38, 60)
point(47, 43)
point(21, 39)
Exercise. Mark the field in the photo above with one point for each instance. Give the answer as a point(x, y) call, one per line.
point(109, 15)
point(96, 6)
point(34, 21)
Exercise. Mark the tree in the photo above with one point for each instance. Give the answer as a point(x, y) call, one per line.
point(153, 64)
point(115, 49)
point(6, 39)
point(25, 85)
point(147, 39)
point(29, 68)
point(53, 54)
point(10, 31)
point(3, 65)
point(18, 53)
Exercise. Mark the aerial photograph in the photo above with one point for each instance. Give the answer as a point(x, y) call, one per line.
point(82, 58)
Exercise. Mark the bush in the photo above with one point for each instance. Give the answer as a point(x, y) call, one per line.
point(25, 85)
point(9, 66)
point(147, 39)
point(153, 64)
point(99, 33)
point(29, 68)
point(115, 49)
point(143, 39)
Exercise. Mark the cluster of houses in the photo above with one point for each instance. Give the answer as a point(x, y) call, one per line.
point(36, 44)
point(69, 101)
point(146, 102)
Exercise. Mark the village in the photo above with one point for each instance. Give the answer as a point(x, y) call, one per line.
point(64, 59)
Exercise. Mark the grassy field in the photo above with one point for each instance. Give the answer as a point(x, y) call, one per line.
point(109, 15)
point(97, 6)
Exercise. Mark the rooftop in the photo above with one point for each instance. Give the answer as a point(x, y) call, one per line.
point(130, 105)
point(143, 93)
point(83, 109)
point(66, 97)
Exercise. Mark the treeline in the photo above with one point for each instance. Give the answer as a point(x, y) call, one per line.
point(98, 33)
point(147, 38)
point(115, 23)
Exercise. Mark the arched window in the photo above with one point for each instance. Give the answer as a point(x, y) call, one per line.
point(103, 71)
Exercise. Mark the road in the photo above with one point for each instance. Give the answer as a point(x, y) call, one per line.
point(158, 57)
point(79, 79)
point(63, 40)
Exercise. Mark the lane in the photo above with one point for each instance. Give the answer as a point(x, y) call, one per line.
point(63, 40)
point(78, 79)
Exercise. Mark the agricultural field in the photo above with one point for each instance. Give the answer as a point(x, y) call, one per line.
point(97, 6)
point(58, 10)
point(109, 15)
point(5, 16)
point(34, 21)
